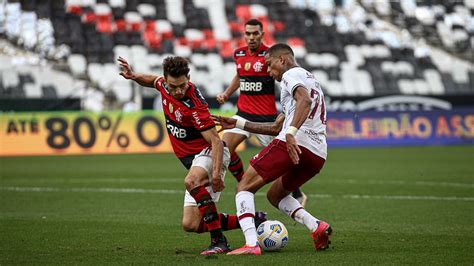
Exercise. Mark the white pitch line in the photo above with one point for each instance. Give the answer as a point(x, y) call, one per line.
point(180, 180)
point(102, 180)
point(445, 184)
point(408, 197)
point(107, 190)
point(171, 191)
point(401, 182)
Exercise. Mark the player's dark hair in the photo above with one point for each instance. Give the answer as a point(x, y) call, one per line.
point(175, 66)
point(254, 22)
point(280, 48)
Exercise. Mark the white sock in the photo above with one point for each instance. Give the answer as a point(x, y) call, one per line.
point(291, 207)
point(245, 205)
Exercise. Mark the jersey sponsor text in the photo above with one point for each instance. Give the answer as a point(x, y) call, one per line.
point(250, 86)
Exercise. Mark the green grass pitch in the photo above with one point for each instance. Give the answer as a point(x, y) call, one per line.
point(386, 205)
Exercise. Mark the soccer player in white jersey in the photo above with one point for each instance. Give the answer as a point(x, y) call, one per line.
point(296, 155)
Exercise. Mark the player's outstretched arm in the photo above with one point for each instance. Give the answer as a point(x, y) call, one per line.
point(233, 86)
point(217, 152)
point(272, 128)
point(145, 80)
point(224, 122)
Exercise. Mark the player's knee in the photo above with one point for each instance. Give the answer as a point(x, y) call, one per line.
point(189, 226)
point(246, 184)
point(190, 183)
point(243, 185)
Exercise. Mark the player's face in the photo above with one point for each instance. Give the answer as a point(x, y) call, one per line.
point(178, 86)
point(253, 36)
point(274, 66)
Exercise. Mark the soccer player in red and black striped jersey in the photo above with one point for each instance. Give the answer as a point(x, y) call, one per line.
point(197, 145)
point(256, 102)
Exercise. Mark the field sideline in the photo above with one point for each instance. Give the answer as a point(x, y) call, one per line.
point(386, 205)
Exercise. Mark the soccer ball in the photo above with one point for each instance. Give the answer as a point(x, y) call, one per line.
point(272, 235)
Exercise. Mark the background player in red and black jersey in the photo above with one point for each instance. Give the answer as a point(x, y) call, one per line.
point(256, 101)
point(196, 143)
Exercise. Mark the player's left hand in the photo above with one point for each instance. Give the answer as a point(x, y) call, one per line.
point(126, 70)
point(224, 122)
point(217, 184)
point(293, 149)
point(222, 98)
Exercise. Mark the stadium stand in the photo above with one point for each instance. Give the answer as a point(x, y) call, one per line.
point(63, 49)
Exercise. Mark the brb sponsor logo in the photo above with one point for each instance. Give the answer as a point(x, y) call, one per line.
point(177, 132)
point(250, 86)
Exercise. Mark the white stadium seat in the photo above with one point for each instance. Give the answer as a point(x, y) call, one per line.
point(258, 11)
point(182, 50)
point(33, 90)
point(117, 3)
point(199, 59)
point(146, 10)
point(194, 35)
point(123, 51)
point(10, 78)
point(218, 19)
point(174, 11)
point(163, 26)
point(77, 64)
point(102, 9)
point(406, 86)
point(434, 81)
point(229, 72)
point(312, 59)
point(122, 89)
point(365, 83)
point(421, 87)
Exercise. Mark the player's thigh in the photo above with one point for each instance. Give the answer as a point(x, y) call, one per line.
point(205, 161)
point(264, 139)
point(234, 138)
point(309, 165)
point(200, 173)
point(197, 176)
point(251, 181)
point(273, 161)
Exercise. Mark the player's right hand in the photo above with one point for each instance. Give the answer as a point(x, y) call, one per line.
point(293, 149)
point(224, 122)
point(222, 98)
point(217, 184)
point(126, 68)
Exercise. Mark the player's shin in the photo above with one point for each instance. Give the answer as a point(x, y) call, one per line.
point(228, 222)
point(291, 207)
point(208, 210)
point(244, 202)
point(236, 167)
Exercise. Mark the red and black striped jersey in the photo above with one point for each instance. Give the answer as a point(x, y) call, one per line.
point(185, 119)
point(257, 89)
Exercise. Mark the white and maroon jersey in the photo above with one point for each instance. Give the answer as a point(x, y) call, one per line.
point(185, 120)
point(312, 134)
point(257, 89)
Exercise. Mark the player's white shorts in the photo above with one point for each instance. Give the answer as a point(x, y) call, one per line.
point(204, 160)
point(263, 139)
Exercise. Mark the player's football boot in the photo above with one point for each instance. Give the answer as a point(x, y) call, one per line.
point(246, 250)
point(217, 247)
point(260, 217)
point(321, 236)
